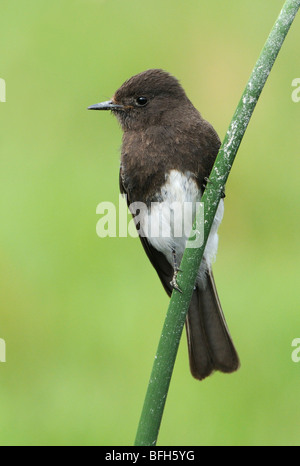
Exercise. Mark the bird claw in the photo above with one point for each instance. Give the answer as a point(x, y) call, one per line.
point(174, 283)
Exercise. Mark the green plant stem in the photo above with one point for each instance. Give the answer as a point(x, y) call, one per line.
point(172, 330)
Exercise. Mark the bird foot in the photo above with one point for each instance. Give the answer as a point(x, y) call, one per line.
point(174, 283)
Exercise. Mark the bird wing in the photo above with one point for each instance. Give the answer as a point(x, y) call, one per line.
point(157, 259)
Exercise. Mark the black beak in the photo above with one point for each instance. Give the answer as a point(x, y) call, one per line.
point(108, 105)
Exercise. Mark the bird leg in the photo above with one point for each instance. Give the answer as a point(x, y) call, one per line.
point(173, 283)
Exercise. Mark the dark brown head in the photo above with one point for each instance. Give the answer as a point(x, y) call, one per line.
point(147, 99)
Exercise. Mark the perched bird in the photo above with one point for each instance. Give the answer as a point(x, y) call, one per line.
point(167, 154)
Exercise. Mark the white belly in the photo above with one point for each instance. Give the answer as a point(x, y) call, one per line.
point(168, 224)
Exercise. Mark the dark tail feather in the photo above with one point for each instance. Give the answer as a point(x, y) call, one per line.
point(209, 342)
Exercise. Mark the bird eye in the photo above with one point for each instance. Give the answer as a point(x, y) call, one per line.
point(141, 101)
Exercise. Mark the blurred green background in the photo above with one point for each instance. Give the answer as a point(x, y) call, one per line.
point(81, 316)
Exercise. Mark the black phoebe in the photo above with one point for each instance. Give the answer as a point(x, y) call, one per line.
point(168, 152)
